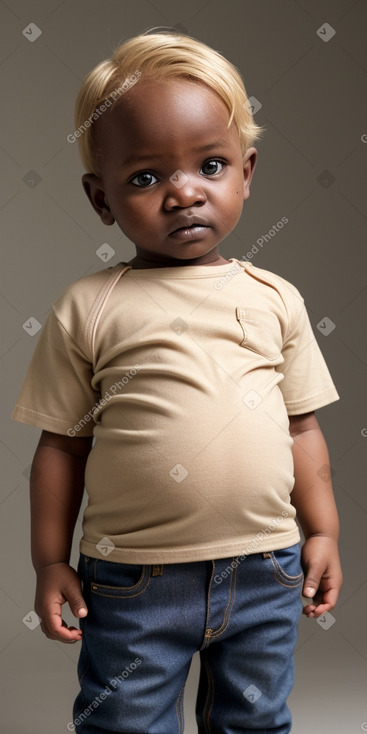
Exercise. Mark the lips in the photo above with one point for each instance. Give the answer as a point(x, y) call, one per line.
point(188, 223)
point(192, 226)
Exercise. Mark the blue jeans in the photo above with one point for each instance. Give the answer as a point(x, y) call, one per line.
point(145, 622)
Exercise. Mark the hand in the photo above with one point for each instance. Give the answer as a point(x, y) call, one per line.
point(57, 584)
point(323, 574)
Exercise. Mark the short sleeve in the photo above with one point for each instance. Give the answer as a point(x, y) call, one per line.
point(307, 383)
point(57, 394)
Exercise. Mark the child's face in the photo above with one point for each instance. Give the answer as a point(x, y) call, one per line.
point(190, 171)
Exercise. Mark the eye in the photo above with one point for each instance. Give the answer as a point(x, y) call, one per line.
point(143, 179)
point(212, 167)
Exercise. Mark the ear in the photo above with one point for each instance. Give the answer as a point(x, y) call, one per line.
point(93, 187)
point(249, 163)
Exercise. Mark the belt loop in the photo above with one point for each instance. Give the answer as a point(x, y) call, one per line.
point(157, 570)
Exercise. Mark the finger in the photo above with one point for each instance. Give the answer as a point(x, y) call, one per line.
point(322, 602)
point(330, 597)
point(59, 630)
point(62, 633)
point(54, 626)
point(308, 609)
point(319, 611)
point(327, 603)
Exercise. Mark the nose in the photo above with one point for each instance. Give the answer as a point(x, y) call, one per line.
point(183, 191)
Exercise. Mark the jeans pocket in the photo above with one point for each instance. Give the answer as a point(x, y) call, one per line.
point(286, 566)
point(119, 580)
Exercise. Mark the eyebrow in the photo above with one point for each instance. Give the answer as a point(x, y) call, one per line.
point(135, 158)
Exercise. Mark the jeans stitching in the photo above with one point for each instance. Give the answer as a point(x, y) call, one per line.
point(144, 577)
point(283, 578)
point(209, 701)
point(205, 640)
point(230, 604)
point(179, 710)
point(131, 588)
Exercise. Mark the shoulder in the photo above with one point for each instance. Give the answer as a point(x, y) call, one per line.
point(82, 293)
point(79, 304)
point(289, 294)
point(85, 289)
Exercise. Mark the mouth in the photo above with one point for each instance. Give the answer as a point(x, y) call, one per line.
point(195, 225)
point(188, 221)
point(194, 231)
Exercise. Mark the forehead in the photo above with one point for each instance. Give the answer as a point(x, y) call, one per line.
point(158, 114)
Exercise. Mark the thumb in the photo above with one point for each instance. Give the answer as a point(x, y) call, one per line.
point(311, 582)
point(78, 606)
point(75, 599)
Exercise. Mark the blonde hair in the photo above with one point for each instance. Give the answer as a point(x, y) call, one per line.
point(158, 56)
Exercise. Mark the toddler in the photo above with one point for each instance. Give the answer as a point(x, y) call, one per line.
point(180, 389)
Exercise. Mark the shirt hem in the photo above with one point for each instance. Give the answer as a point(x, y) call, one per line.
point(245, 547)
point(305, 405)
point(48, 423)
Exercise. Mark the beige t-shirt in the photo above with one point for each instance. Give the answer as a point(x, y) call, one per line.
point(186, 377)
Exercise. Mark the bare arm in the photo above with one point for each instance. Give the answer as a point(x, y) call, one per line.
point(56, 491)
point(313, 498)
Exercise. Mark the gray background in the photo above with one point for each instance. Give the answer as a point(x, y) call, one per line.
point(311, 169)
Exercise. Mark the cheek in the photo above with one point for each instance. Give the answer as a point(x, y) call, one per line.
point(235, 197)
point(133, 211)
point(234, 192)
